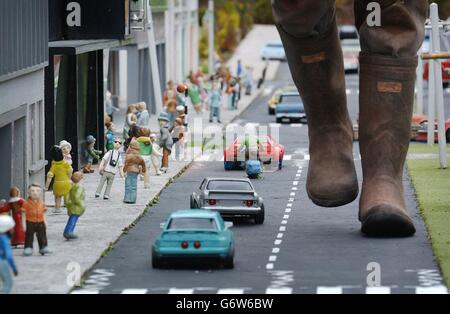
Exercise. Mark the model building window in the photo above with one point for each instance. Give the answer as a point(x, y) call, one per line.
point(37, 137)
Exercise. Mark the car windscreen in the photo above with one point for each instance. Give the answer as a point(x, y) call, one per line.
point(192, 224)
point(290, 99)
point(223, 185)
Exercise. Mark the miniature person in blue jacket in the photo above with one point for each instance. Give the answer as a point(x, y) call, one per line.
point(6, 257)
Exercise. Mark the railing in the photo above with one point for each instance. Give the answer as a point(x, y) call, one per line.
point(435, 85)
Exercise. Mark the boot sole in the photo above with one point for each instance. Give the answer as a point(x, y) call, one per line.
point(380, 223)
point(337, 202)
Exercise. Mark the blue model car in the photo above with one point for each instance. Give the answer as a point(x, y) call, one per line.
point(273, 51)
point(194, 235)
point(290, 108)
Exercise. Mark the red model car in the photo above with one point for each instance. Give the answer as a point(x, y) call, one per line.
point(445, 72)
point(269, 150)
point(421, 122)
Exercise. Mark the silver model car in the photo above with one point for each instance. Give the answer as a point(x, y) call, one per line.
point(230, 197)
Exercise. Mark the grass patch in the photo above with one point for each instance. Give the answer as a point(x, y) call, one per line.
point(423, 148)
point(432, 187)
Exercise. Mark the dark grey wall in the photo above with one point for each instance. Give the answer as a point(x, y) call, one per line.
point(23, 35)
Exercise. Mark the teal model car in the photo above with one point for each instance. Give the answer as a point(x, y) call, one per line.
point(194, 235)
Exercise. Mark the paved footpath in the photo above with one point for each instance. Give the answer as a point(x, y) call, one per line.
point(105, 221)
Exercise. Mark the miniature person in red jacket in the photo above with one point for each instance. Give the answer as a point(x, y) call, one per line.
point(14, 206)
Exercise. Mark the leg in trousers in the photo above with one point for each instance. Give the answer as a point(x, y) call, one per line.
point(388, 63)
point(310, 36)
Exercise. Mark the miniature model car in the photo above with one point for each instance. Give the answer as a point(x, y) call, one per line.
point(420, 128)
point(268, 151)
point(275, 99)
point(230, 197)
point(195, 235)
point(290, 108)
point(350, 51)
point(273, 51)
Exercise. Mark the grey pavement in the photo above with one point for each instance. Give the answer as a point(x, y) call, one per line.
point(105, 221)
point(301, 248)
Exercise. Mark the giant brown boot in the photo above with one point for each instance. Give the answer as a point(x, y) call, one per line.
point(386, 103)
point(310, 37)
point(387, 72)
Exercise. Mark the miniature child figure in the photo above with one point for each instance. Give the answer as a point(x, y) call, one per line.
point(146, 149)
point(75, 206)
point(109, 136)
point(6, 256)
point(15, 204)
point(110, 164)
point(215, 98)
point(60, 172)
point(66, 148)
point(178, 137)
point(156, 155)
point(165, 141)
point(91, 154)
point(194, 95)
point(134, 165)
point(182, 94)
point(171, 110)
point(182, 115)
point(143, 120)
point(35, 210)
point(130, 120)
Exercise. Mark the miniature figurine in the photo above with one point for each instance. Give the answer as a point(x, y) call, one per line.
point(182, 115)
point(66, 148)
point(143, 120)
point(109, 136)
point(60, 172)
point(215, 98)
point(182, 94)
point(4, 209)
point(35, 210)
point(170, 93)
point(156, 155)
point(130, 120)
point(146, 149)
point(6, 256)
point(75, 206)
point(15, 204)
point(110, 164)
point(178, 137)
point(165, 140)
point(91, 154)
point(194, 95)
point(134, 165)
point(171, 110)
point(109, 106)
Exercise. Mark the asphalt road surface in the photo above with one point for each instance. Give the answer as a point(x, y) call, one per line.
point(301, 248)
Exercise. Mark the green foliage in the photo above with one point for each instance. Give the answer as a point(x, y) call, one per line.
point(263, 12)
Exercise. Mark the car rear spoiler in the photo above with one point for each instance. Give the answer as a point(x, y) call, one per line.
point(230, 192)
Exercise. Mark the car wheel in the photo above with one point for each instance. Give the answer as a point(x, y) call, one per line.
point(280, 163)
point(447, 135)
point(193, 203)
point(259, 218)
point(156, 262)
point(279, 120)
point(228, 165)
point(229, 260)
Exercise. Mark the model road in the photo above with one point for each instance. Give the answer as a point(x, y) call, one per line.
point(301, 248)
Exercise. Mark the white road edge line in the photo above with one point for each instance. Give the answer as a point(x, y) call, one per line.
point(432, 290)
point(329, 290)
point(282, 290)
point(378, 290)
point(134, 291)
point(180, 291)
